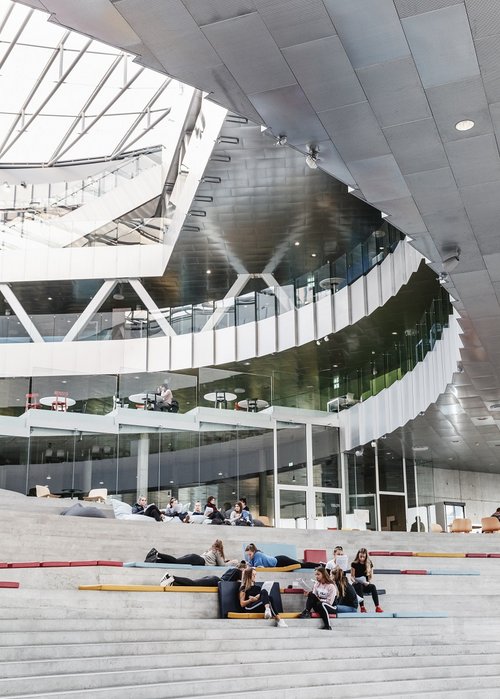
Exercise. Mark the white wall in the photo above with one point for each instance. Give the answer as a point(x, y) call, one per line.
point(475, 489)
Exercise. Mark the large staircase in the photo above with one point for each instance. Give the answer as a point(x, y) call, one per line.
point(58, 641)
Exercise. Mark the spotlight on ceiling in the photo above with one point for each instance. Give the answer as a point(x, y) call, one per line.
point(312, 158)
point(281, 140)
point(326, 338)
point(318, 342)
point(118, 295)
point(443, 278)
point(464, 125)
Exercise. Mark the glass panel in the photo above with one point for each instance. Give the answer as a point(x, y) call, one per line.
point(292, 454)
point(51, 463)
point(326, 458)
point(234, 389)
point(13, 463)
point(95, 462)
point(293, 509)
point(393, 513)
point(328, 511)
point(390, 470)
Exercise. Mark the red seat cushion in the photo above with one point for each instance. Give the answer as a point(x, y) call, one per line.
point(293, 591)
point(9, 584)
point(494, 555)
point(379, 553)
point(315, 615)
point(401, 553)
point(83, 563)
point(54, 564)
point(110, 563)
point(414, 572)
point(315, 555)
point(4, 565)
point(476, 555)
point(24, 565)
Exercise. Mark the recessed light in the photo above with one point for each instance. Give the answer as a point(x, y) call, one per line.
point(313, 254)
point(335, 366)
point(49, 298)
point(209, 271)
point(394, 333)
point(464, 125)
point(64, 381)
point(297, 243)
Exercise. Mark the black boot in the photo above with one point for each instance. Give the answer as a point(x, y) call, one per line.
point(305, 614)
point(151, 556)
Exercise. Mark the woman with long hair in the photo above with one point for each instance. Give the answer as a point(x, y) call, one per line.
point(347, 599)
point(211, 511)
point(257, 559)
point(361, 575)
point(255, 599)
point(239, 516)
point(322, 598)
point(215, 556)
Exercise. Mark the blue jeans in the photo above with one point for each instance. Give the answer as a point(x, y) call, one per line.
point(344, 609)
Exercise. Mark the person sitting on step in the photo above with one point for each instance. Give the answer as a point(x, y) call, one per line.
point(174, 509)
point(347, 599)
point(239, 516)
point(257, 559)
point(213, 557)
point(322, 598)
point(361, 576)
point(339, 560)
point(212, 512)
point(141, 507)
point(256, 599)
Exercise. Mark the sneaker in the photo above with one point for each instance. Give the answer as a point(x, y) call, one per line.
point(327, 628)
point(268, 614)
point(167, 580)
point(282, 624)
point(362, 609)
point(304, 615)
point(379, 610)
point(151, 556)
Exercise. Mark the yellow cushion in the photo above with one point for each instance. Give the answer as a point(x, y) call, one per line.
point(258, 615)
point(284, 569)
point(433, 554)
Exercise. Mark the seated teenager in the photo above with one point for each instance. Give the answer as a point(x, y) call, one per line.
point(212, 513)
point(256, 599)
point(141, 507)
point(257, 559)
point(239, 516)
point(347, 599)
point(213, 557)
point(339, 560)
point(322, 598)
point(174, 509)
point(361, 576)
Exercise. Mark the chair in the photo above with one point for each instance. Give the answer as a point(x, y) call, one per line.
point(436, 528)
point(32, 401)
point(42, 491)
point(490, 525)
point(461, 526)
point(97, 495)
point(61, 401)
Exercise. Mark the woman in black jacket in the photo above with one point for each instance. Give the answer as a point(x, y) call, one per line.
point(347, 599)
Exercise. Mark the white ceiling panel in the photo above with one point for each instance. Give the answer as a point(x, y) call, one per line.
point(492, 263)
point(488, 49)
point(474, 160)
point(482, 204)
point(484, 17)
point(209, 11)
point(403, 214)
point(442, 61)
point(287, 111)
point(434, 190)
point(407, 8)
point(324, 70)
point(461, 100)
point(369, 29)
point(395, 92)
point(248, 50)
point(355, 131)
point(379, 178)
point(295, 21)
point(416, 146)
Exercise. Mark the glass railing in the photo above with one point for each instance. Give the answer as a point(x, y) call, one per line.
point(56, 198)
point(354, 385)
point(124, 324)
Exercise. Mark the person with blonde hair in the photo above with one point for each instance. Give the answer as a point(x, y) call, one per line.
point(215, 556)
point(322, 598)
point(256, 599)
point(361, 576)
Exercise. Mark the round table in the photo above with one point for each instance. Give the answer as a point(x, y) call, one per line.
point(332, 283)
point(253, 405)
point(143, 399)
point(50, 400)
point(220, 398)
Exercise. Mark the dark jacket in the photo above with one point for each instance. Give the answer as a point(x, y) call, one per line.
point(350, 598)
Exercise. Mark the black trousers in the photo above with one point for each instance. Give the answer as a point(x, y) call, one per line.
point(206, 581)
point(191, 559)
point(152, 511)
point(314, 603)
point(370, 589)
point(261, 604)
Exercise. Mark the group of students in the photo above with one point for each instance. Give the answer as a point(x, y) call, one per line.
point(338, 588)
point(239, 514)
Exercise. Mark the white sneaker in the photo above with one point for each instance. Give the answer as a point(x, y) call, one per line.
point(167, 580)
point(282, 624)
point(268, 614)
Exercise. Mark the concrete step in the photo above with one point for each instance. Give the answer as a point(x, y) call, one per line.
point(193, 681)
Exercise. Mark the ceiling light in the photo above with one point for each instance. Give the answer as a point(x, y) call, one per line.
point(118, 295)
point(209, 271)
point(335, 366)
point(464, 125)
point(326, 338)
point(318, 342)
point(281, 140)
point(312, 158)
point(313, 254)
point(49, 298)
point(423, 448)
point(394, 333)
point(297, 243)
